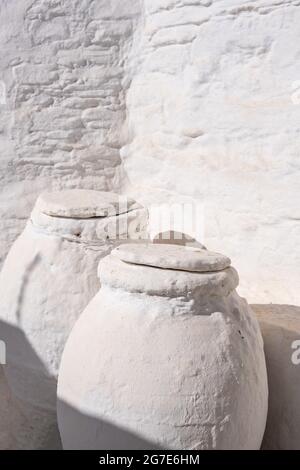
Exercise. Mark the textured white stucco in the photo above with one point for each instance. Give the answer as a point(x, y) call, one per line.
point(162, 99)
point(63, 69)
point(214, 116)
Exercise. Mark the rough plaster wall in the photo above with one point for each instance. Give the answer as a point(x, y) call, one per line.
point(62, 62)
point(214, 117)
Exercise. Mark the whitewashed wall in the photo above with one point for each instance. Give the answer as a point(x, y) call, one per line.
point(62, 62)
point(214, 115)
point(165, 99)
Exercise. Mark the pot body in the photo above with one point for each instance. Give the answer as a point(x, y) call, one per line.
point(46, 282)
point(147, 371)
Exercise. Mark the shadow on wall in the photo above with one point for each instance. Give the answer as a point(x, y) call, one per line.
point(19, 427)
point(84, 432)
point(280, 326)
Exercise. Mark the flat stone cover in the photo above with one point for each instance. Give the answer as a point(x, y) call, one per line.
point(84, 203)
point(177, 257)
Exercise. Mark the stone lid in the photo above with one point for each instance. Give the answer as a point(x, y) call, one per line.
point(86, 216)
point(180, 258)
point(150, 280)
point(83, 203)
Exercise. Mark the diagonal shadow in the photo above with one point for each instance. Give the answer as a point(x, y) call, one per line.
point(22, 392)
point(25, 280)
point(85, 432)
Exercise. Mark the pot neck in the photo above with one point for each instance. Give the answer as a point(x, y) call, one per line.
point(161, 305)
point(167, 283)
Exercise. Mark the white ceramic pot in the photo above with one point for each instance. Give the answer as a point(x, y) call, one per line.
point(48, 278)
point(166, 355)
